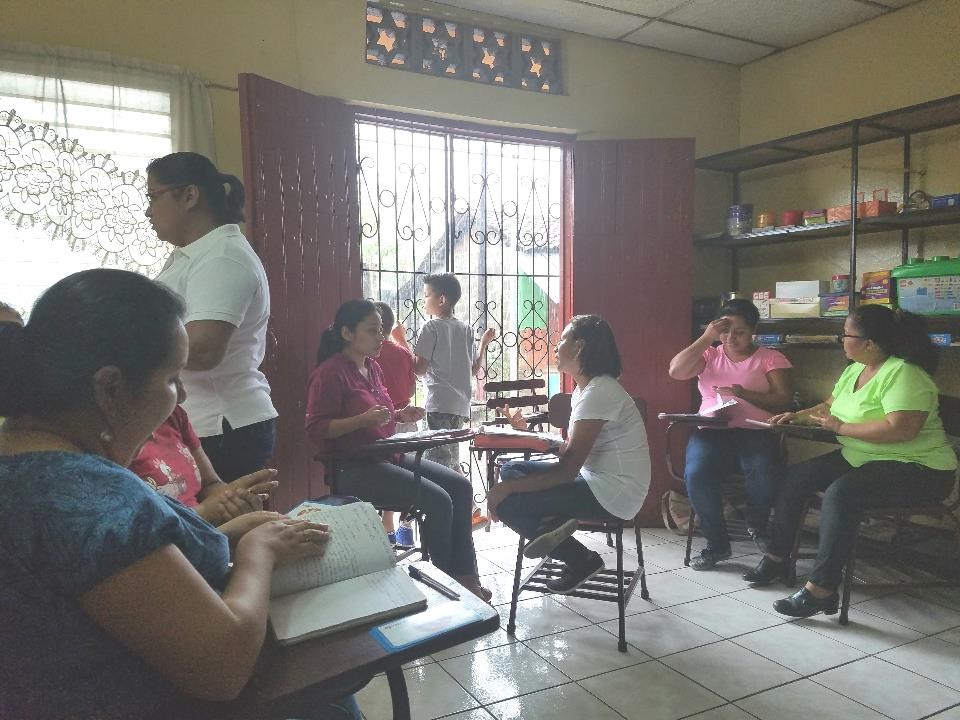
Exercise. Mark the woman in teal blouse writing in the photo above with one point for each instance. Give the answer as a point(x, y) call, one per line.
point(884, 410)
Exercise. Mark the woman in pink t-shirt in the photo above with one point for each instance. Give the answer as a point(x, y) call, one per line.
point(758, 378)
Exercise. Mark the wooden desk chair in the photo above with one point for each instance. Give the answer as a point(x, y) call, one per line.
point(409, 508)
point(731, 486)
point(510, 392)
point(608, 585)
point(947, 510)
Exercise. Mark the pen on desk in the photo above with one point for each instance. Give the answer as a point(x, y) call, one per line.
point(430, 582)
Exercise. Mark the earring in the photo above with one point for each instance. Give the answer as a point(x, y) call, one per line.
point(107, 437)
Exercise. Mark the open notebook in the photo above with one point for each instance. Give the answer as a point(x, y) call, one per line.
point(355, 582)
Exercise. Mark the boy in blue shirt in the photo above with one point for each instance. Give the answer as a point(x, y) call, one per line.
point(447, 360)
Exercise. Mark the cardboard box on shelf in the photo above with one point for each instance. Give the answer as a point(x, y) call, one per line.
point(761, 298)
point(839, 213)
point(781, 308)
point(879, 205)
point(768, 339)
point(835, 304)
point(876, 288)
point(939, 202)
point(802, 288)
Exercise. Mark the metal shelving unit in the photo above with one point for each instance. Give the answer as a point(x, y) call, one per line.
point(902, 123)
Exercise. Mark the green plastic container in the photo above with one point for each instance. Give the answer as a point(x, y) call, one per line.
point(929, 287)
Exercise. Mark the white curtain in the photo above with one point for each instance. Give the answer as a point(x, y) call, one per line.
point(77, 129)
point(59, 77)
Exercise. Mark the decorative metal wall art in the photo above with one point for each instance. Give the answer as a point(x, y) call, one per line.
point(434, 46)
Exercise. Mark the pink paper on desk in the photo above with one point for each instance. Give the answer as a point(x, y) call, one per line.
point(495, 438)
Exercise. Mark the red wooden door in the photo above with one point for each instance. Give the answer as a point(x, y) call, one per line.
point(631, 262)
point(299, 159)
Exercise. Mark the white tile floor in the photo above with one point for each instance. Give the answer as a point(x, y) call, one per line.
point(705, 646)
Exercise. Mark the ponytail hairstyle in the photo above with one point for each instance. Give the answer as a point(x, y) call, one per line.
point(599, 355)
point(349, 315)
point(222, 193)
point(89, 320)
point(898, 333)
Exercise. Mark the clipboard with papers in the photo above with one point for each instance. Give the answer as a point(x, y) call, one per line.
point(707, 418)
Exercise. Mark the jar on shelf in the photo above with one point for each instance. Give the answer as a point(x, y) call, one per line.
point(840, 284)
point(739, 219)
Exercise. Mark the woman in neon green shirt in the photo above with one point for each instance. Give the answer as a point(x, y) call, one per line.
point(894, 450)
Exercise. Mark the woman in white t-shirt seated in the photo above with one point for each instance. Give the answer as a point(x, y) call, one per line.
point(603, 470)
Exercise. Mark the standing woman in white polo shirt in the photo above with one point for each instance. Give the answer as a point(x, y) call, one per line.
point(604, 468)
point(196, 208)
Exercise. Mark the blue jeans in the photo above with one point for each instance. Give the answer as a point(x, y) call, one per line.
point(533, 513)
point(446, 497)
point(848, 490)
point(713, 454)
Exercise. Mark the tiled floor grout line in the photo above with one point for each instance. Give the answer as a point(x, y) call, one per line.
point(716, 593)
point(577, 681)
point(937, 712)
point(599, 700)
point(465, 689)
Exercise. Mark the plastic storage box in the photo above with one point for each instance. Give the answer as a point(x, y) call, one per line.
point(930, 287)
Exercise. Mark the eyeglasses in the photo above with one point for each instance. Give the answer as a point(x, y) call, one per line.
point(841, 337)
point(152, 196)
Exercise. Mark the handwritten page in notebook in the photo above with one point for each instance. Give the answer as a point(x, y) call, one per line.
point(358, 546)
point(348, 603)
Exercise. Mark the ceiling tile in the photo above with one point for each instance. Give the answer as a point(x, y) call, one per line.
point(563, 14)
point(783, 23)
point(647, 8)
point(697, 43)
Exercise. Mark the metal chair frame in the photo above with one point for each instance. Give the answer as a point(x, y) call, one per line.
point(608, 585)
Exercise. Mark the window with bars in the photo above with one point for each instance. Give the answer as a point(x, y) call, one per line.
point(436, 199)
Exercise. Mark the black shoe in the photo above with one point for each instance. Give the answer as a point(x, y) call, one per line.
point(767, 571)
point(544, 544)
point(573, 576)
point(707, 559)
point(803, 604)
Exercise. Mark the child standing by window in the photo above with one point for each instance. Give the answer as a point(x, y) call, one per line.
point(447, 359)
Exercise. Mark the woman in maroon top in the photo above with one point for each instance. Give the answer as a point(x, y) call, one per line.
point(349, 407)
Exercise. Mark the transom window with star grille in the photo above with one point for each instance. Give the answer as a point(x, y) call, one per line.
point(432, 46)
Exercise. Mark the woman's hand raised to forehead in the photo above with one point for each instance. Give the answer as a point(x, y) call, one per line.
point(716, 329)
